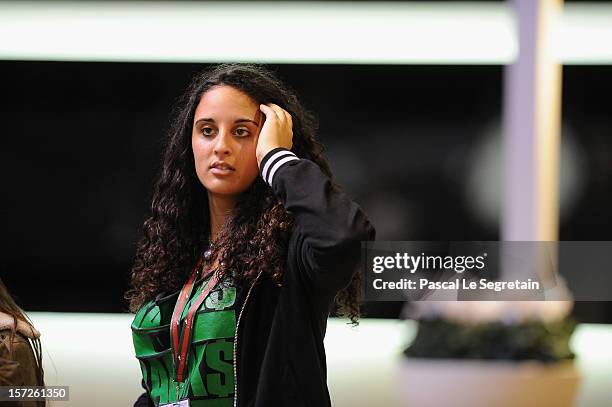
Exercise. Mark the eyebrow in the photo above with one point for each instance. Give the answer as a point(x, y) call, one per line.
point(211, 120)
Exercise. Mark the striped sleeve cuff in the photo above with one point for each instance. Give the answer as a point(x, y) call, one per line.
point(274, 160)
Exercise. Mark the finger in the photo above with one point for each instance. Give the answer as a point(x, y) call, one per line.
point(284, 115)
point(272, 114)
point(288, 118)
point(265, 109)
point(260, 118)
point(278, 110)
point(268, 109)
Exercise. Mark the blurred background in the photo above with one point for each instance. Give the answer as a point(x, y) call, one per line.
point(411, 98)
point(417, 145)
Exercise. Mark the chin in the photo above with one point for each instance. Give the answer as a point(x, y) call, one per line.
point(223, 188)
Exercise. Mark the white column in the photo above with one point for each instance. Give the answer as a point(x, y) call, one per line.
point(532, 121)
point(532, 139)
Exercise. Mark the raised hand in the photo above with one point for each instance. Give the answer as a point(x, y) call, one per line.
point(276, 131)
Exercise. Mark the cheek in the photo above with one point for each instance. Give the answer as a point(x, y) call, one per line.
point(249, 162)
point(200, 153)
point(200, 149)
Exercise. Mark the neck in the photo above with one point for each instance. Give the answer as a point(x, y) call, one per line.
point(220, 207)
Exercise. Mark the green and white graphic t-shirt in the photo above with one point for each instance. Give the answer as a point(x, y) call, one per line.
point(210, 371)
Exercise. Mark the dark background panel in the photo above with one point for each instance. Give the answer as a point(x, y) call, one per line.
point(417, 146)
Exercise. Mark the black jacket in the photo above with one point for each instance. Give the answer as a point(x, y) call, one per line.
point(280, 358)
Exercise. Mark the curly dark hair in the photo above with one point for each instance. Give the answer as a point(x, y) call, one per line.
point(255, 236)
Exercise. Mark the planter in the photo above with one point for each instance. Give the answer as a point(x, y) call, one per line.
point(487, 383)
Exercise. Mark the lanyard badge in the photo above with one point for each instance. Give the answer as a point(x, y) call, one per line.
point(182, 403)
point(180, 339)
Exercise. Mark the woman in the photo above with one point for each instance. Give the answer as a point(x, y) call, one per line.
point(248, 248)
point(20, 351)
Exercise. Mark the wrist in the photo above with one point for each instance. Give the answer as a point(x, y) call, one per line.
point(262, 151)
point(274, 160)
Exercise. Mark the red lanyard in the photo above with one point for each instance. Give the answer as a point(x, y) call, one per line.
point(180, 353)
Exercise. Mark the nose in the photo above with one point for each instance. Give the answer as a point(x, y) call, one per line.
point(223, 143)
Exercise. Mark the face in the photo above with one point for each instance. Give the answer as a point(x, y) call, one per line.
point(224, 140)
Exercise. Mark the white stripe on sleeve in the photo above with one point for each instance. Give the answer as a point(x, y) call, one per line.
point(278, 165)
point(271, 160)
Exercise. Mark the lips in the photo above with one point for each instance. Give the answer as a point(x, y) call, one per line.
point(222, 165)
point(221, 168)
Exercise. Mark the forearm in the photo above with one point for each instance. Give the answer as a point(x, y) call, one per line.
point(331, 224)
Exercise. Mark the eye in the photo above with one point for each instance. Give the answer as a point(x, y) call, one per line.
point(242, 132)
point(207, 131)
